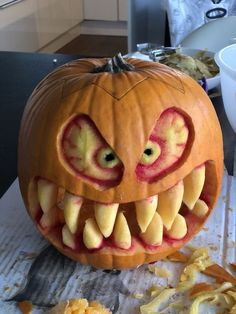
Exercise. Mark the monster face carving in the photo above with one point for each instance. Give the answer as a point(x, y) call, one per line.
point(116, 169)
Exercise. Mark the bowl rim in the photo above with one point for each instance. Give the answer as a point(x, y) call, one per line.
point(222, 64)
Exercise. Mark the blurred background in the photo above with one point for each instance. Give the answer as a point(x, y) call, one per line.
point(102, 27)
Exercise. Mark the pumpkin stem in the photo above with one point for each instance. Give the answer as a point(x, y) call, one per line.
point(115, 65)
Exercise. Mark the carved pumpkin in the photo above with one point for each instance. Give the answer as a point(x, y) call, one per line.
point(119, 169)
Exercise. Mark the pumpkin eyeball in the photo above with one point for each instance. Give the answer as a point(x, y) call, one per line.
point(151, 153)
point(106, 158)
point(166, 145)
point(85, 153)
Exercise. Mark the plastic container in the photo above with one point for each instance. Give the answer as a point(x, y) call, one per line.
point(226, 60)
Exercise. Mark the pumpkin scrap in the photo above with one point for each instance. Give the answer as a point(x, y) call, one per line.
point(159, 271)
point(198, 261)
point(26, 307)
point(233, 266)
point(114, 163)
point(190, 294)
point(158, 301)
point(199, 288)
point(219, 273)
point(154, 290)
point(178, 257)
point(79, 306)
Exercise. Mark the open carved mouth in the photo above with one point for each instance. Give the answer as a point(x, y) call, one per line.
point(85, 225)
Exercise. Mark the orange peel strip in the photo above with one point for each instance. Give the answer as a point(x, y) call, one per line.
point(178, 257)
point(233, 265)
point(25, 307)
point(219, 273)
point(199, 288)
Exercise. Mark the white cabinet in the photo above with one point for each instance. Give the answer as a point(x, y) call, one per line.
point(31, 24)
point(106, 10)
point(123, 10)
point(55, 17)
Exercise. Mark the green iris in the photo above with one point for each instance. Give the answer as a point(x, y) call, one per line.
point(150, 154)
point(107, 158)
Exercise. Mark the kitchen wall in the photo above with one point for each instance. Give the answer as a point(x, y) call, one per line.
point(47, 25)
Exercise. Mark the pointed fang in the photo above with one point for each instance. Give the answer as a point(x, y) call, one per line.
point(200, 209)
point(68, 238)
point(145, 210)
point(92, 236)
point(72, 205)
point(47, 194)
point(105, 215)
point(193, 185)
point(169, 203)
point(154, 233)
point(178, 229)
point(121, 233)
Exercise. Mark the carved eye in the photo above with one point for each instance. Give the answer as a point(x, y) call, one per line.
point(107, 158)
point(150, 154)
point(87, 155)
point(165, 147)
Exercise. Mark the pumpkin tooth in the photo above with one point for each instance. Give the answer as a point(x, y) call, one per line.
point(105, 215)
point(200, 209)
point(68, 238)
point(145, 210)
point(154, 232)
point(92, 236)
point(169, 203)
point(50, 218)
point(72, 205)
point(121, 233)
point(47, 194)
point(178, 229)
point(193, 185)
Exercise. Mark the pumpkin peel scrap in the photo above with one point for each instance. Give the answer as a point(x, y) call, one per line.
point(220, 297)
point(79, 306)
point(219, 273)
point(81, 148)
point(178, 256)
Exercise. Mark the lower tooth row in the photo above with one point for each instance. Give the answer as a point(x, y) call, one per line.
point(154, 214)
point(93, 238)
point(93, 233)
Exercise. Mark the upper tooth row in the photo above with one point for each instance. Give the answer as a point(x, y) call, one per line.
point(153, 214)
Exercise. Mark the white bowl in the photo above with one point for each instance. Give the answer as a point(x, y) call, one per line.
point(211, 82)
point(226, 60)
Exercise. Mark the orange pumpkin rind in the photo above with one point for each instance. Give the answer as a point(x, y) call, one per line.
point(93, 141)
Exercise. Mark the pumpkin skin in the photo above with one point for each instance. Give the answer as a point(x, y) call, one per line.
point(124, 108)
